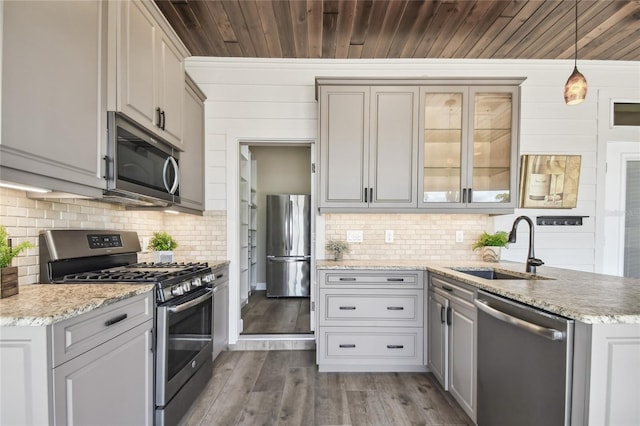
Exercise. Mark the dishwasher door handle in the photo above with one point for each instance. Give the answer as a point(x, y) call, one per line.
point(547, 333)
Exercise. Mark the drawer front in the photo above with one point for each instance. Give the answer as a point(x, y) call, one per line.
point(371, 278)
point(84, 332)
point(370, 345)
point(353, 308)
point(451, 288)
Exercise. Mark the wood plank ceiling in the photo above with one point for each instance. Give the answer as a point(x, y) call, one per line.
point(338, 29)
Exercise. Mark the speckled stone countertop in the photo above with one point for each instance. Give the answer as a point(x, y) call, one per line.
point(44, 304)
point(218, 263)
point(587, 297)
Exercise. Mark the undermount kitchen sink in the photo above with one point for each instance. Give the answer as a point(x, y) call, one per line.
point(497, 274)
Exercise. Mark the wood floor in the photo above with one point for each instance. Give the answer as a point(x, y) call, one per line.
point(282, 315)
point(285, 388)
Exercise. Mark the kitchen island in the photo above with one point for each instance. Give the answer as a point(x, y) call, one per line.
point(583, 296)
point(606, 311)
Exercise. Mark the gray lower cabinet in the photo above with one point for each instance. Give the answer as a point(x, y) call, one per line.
point(370, 321)
point(92, 369)
point(220, 310)
point(452, 339)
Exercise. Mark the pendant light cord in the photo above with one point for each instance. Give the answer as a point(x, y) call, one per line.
point(575, 63)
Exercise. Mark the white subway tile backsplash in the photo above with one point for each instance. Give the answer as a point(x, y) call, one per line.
point(200, 238)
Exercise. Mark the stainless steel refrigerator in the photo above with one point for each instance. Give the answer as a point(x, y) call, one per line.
point(288, 245)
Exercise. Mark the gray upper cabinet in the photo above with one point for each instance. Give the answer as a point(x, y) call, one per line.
point(418, 145)
point(150, 72)
point(192, 158)
point(54, 99)
point(368, 147)
point(64, 65)
point(469, 147)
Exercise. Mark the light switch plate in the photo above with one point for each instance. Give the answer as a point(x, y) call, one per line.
point(388, 236)
point(459, 236)
point(354, 236)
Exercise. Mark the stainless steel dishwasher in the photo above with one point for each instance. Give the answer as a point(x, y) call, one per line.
point(524, 363)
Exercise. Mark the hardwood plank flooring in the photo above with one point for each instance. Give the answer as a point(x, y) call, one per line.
point(285, 388)
point(281, 315)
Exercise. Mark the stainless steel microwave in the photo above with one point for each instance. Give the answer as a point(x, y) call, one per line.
point(140, 167)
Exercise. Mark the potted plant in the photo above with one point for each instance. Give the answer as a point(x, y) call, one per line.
point(490, 245)
point(338, 247)
point(8, 273)
point(162, 245)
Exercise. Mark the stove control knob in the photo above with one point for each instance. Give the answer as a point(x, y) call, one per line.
point(186, 286)
point(196, 282)
point(208, 278)
point(177, 291)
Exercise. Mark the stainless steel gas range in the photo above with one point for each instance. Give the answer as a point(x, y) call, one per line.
point(184, 309)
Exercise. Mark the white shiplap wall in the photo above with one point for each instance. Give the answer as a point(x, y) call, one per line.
point(266, 99)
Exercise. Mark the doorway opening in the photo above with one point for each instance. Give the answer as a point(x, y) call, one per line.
point(265, 169)
point(622, 200)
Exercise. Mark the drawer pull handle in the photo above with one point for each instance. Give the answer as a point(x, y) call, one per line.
point(395, 308)
point(115, 320)
point(395, 346)
point(348, 346)
point(347, 279)
point(399, 280)
point(447, 288)
point(347, 308)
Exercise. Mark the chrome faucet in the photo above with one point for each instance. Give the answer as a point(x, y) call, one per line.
point(532, 261)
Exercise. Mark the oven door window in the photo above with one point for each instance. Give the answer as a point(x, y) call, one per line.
point(189, 331)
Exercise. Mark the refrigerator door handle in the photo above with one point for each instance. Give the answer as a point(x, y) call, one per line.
point(288, 259)
point(290, 224)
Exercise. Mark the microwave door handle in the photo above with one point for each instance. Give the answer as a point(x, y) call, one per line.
point(176, 175)
point(176, 180)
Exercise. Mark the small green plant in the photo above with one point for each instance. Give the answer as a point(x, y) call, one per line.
point(7, 253)
point(338, 247)
point(161, 241)
point(499, 239)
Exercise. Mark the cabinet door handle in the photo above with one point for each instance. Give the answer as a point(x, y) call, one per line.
point(470, 196)
point(395, 308)
point(163, 120)
point(395, 346)
point(347, 279)
point(399, 280)
point(347, 308)
point(158, 117)
point(365, 195)
point(449, 316)
point(371, 195)
point(442, 314)
point(107, 168)
point(347, 346)
point(446, 288)
point(115, 320)
point(464, 195)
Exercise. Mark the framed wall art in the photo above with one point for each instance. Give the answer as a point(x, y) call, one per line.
point(549, 181)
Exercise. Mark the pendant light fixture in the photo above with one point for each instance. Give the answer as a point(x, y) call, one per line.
point(575, 90)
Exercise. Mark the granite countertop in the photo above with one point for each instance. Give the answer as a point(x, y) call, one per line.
point(218, 264)
point(583, 296)
point(44, 304)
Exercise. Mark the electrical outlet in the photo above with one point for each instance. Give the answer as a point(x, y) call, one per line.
point(354, 236)
point(388, 236)
point(459, 236)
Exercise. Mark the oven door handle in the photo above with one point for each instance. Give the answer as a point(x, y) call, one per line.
point(191, 303)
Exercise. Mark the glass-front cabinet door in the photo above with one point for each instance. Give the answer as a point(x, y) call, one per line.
point(469, 147)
